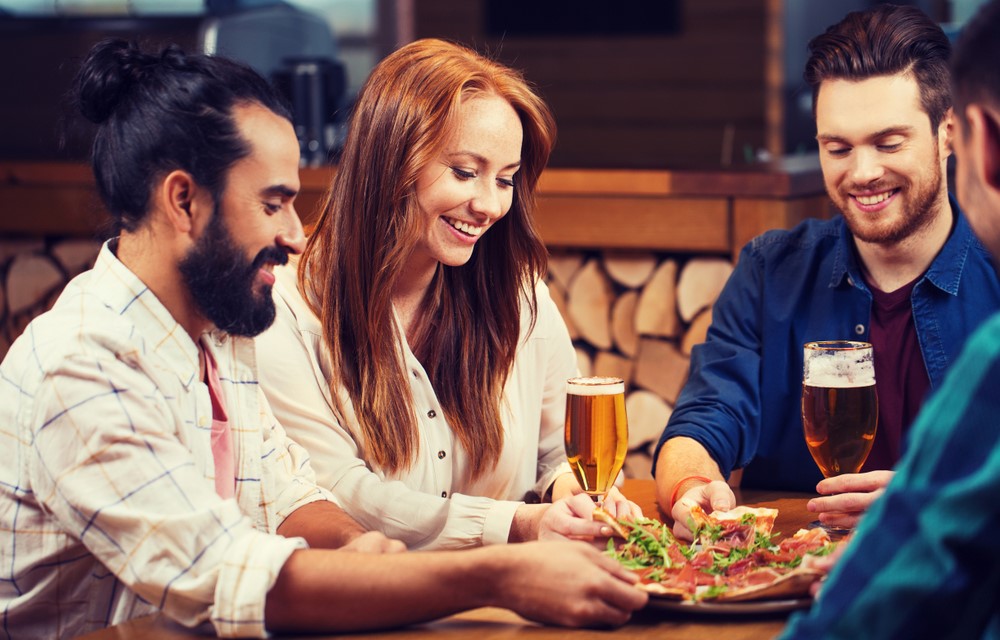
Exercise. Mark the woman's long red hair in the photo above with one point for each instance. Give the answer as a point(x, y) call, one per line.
point(469, 323)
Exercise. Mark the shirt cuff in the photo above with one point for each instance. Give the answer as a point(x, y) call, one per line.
point(496, 527)
point(248, 570)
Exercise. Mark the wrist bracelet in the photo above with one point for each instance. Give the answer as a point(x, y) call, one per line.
point(677, 487)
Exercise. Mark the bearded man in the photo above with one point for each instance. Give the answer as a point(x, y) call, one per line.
point(900, 268)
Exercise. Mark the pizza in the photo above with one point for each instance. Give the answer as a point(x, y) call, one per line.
point(734, 557)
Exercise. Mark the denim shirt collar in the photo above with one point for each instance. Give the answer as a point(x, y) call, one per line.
point(945, 271)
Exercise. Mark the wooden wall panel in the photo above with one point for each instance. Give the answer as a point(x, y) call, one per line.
point(646, 102)
point(681, 224)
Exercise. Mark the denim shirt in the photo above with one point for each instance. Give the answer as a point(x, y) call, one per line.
point(742, 399)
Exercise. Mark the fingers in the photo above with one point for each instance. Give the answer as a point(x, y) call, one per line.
point(845, 520)
point(374, 542)
point(572, 517)
point(616, 569)
point(620, 507)
point(620, 595)
point(816, 587)
point(844, 503)
point(580, 505)
point(719, 496)
point(854, 482)
point(573, 585)
point(714, 496)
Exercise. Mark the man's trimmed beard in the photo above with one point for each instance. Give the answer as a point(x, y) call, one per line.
point(920, 208)
point(221, 281)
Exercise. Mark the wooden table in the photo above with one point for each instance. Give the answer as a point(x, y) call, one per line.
point(495, 624)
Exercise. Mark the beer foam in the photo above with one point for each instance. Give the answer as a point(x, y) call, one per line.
point(842, 370)
point(595, 386)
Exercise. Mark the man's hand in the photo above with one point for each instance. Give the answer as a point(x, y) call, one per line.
point(569, 584)
point(714, 496)
point(825, 564)
point(847, 497)
point(374, 542)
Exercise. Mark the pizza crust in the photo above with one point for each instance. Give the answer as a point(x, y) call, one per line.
point(795, 584)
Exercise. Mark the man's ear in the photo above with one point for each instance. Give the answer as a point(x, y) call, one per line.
point(991, 147)
point(947, 128)
point(176, 196)
point(187, 205)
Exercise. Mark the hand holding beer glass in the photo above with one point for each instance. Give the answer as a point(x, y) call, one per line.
point(596, 432)
point(839, 405)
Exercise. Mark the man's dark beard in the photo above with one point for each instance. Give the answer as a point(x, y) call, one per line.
point(221, 281)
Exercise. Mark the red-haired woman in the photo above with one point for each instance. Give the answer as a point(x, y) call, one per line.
point(436, 359)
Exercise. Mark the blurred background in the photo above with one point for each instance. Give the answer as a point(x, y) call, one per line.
point(669, 83)
point(684, 131)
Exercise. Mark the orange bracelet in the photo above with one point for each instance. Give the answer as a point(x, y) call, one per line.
point(677, 487)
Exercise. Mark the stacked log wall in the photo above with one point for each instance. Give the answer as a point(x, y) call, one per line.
point(637, 316)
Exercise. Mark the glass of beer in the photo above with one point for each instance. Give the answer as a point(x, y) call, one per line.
point(596, 432)
point(839, 404)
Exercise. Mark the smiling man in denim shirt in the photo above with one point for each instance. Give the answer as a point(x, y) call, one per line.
point(900, 268)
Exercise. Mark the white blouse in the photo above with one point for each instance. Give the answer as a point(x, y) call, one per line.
point(433, 504)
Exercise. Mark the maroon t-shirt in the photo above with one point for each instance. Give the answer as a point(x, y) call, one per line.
point(900, 374)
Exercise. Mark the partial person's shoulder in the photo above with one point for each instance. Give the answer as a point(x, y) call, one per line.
point(985, 341)
point(79, 324)
point(289, 300)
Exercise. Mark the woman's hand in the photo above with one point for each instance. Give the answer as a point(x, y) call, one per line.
point(573, 517)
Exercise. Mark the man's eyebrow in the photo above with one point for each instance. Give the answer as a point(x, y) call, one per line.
point(280, 190)
point(903, 129)
point(889, 131)
point(480, 159)
point(826, 137)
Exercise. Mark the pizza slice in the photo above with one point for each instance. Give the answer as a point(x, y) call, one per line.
point(616, 528)
point(738, 528)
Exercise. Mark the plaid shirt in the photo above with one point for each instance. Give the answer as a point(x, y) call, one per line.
point(107, 503)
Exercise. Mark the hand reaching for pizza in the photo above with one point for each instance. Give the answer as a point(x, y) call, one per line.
point(825, 563)
point(566, 583)
point(714, 496)
point(572, 517)
point(845, 498)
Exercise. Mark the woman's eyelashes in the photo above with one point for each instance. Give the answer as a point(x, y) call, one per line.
point(465, 174)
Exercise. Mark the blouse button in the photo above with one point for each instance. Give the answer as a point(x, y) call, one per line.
point(202, 421)
point(444, 494)
point(859, 329)
point(432, 413)
point(441, 455)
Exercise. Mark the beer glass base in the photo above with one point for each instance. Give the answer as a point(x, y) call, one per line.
point(835, 532)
